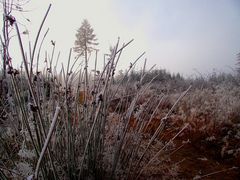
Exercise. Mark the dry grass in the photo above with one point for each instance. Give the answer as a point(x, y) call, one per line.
point(113, 130)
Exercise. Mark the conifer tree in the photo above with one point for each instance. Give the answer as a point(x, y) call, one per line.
point(84, 44)
point(86, 39)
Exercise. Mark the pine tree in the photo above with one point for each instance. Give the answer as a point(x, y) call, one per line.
point(86, 39)
point(84, 44)
point(238, 63)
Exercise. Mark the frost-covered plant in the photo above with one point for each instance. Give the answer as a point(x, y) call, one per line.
point(65, 129)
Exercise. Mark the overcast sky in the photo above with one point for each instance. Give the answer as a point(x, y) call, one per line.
point(178, 35)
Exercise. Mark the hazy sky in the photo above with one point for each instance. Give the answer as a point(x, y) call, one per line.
point(178, 35)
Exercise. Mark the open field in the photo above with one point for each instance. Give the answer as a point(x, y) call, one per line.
point(153, 130)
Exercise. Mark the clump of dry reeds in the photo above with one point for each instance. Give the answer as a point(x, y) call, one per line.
point(62, 130)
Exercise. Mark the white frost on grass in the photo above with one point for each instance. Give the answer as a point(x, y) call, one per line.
point(24, 169)
point(26, 153)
